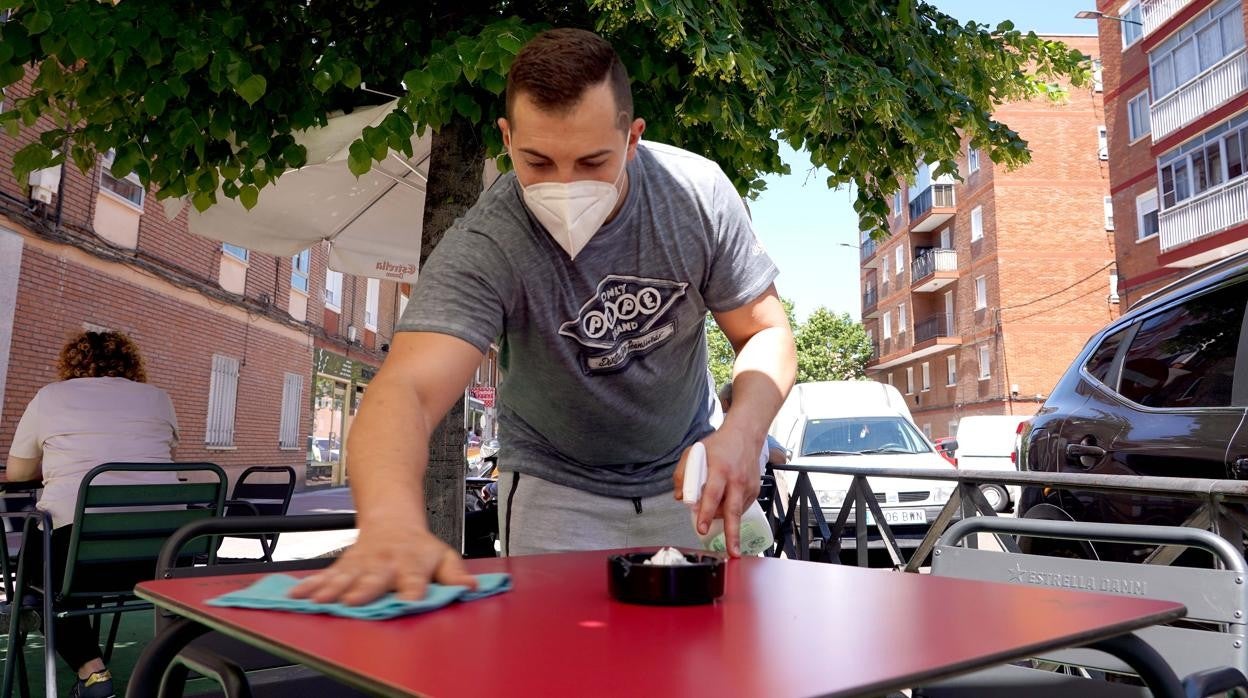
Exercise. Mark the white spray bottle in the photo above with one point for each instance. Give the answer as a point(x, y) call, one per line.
point(755, 530)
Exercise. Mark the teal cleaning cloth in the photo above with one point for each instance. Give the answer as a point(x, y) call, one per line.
point(273, 593)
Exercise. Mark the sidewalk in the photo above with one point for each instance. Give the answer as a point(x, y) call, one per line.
point(301, 546)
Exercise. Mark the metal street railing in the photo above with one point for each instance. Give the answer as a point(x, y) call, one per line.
point(798, 519)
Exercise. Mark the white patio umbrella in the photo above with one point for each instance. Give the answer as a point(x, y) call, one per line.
point(372, 224)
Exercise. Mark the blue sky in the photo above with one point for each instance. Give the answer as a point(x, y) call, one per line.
point(812, 232)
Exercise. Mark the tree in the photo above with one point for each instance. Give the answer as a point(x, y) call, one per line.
point(831, 347)
point(202, 98)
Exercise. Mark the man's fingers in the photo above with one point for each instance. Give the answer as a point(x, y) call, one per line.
point(712, 494)
point(367, 586)
point(411, 584)
point(451, 570)
point(732, 522)
point(332, 584)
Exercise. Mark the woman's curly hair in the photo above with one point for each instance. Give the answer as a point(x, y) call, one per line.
point(100, 355)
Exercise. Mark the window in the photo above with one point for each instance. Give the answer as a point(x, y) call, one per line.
point(1132, 24)
point(1146, 221)
point(333, 289)
point(951, 370)
point(897, 203)
point(926, 374)
point(870, 335)
point(1102, 143)
point(972, 159)
point(977, 223)
point(1109, 213)
point(1102, 360)
point(985, 360)
point(128, 188)
point(222, 394)
point(886, 326)
point(239, 253)
point(1098, 75)
point(901, 259)
point(1138, 123)
point(1184, 357)
point(890, 377)
point(901, 319)
point(927, 430)
point(299, 270)
point(292, 401)
point(1203, 42)
point(981, 293)
point(1206, 162)
point(372, 298)
point(909, 380)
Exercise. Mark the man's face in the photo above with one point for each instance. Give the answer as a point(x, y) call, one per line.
point(584, 143)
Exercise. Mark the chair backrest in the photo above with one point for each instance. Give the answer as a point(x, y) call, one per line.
point(129, 523)
point(270, 497)
point(1213, 633)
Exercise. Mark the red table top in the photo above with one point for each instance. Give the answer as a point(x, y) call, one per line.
point(782, 628)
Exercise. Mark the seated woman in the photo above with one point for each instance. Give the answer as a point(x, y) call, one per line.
point(101, 410)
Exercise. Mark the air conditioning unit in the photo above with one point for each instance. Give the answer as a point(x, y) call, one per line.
point(44, 184)
point(352, 333)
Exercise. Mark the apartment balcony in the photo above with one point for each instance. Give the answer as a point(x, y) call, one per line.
point(868, 248)
point(870, 303)
point(1217, 85)
point(932, 335)
point(1157, 12)
point(932, 207)
point(875, 352)
point(1203, 217)
point(933, 270)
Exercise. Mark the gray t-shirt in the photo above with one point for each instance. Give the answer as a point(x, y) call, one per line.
point(603, 358)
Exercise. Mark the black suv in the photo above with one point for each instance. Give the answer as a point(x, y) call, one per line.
point(1161, 391)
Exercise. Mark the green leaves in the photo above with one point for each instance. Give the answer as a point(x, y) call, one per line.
point(252, 89)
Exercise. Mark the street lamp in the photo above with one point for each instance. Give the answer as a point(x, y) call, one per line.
point(1095, 14)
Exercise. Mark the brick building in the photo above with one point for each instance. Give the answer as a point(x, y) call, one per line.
point(265, 357)
point(985, 289)
point(1176, 101)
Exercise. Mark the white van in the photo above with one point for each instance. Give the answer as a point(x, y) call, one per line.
point(986, 442)
point(862, 424)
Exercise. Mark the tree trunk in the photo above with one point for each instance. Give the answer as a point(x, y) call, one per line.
point(455, 167)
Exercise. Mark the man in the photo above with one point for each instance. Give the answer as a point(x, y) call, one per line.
point(595, 262)
point(774, 452)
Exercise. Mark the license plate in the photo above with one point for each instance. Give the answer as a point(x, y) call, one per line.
point(894, 517)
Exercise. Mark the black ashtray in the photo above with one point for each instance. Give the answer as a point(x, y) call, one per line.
point(632, 581)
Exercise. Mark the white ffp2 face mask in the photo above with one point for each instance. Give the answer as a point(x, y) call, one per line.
point(572, 212)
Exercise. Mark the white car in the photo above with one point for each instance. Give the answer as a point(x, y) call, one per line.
point(987, 442)
point(862, 424)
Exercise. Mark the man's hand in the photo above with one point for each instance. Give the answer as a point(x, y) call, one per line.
point(732, 482)
point(401, 556)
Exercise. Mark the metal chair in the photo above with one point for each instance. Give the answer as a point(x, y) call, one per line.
point(1208, 648)
point(235, 666)
point(268, 498)
point(112, 524)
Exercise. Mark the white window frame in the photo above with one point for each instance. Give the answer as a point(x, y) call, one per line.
point(109, 184)
point(985, 362)
point(372, 299)
point(901, 319)
point(909, 380)
point(900, 254)
point(1109, 213)
point(333, 290)
point(1145, 204)
point(300, 265)
point(977, 223)
point(292, 404)
point(1132, 32)
point(897, 203)
point(222, 401)
point(981, 292)
point(242, 254)
point(889, 377)
point(1184, 157)
point(1162, 59)
point(925, 374)
point(972, 159)
point(886, 325)
point(1139, 120)
point(927, 430)
point(1098, 75)
point(1102, 142)
point(951, 371)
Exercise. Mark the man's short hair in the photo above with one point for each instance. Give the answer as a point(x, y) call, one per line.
point(556, 67)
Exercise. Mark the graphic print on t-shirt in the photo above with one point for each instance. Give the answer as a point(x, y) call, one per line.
point(627, 317)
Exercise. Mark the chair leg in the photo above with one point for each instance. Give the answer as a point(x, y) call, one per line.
point(15, 645)
point(112, 636)
point(23, 678)
point(174, 683)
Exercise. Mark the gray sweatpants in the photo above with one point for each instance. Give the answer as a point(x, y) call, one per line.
point(538, 516)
